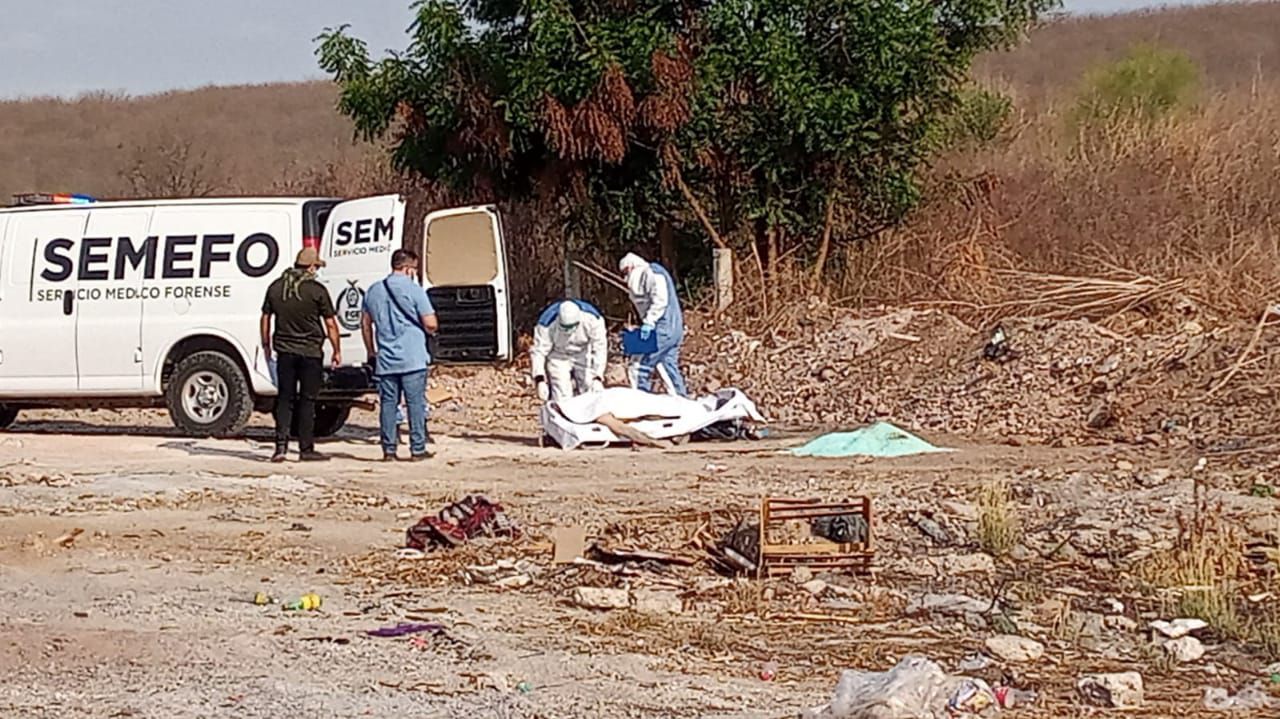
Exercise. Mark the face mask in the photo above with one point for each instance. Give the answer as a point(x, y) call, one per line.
point(568, 328)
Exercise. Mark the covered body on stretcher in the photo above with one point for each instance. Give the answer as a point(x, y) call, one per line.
point(574, 422)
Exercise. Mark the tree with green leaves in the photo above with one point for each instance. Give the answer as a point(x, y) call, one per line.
point(781, 128)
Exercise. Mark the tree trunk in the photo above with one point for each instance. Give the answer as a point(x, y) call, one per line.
point(824, 248)
point(667, 248)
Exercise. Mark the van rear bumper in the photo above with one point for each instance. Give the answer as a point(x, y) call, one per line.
point(346, 383)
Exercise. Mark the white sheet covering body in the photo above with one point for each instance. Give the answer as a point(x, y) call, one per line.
point(571, 422)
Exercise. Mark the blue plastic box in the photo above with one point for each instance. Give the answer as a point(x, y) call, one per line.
point(633, 346)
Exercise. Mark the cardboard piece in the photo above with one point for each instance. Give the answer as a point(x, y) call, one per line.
point(569, 542)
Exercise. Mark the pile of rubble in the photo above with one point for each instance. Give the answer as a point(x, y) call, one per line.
point(1063, 382)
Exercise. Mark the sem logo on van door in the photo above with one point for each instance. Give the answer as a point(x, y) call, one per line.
point(350, 306)
point(363, 237)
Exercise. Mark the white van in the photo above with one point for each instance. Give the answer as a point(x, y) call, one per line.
point(156, 302)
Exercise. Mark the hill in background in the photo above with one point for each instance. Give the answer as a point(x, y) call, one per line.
point(273, 138)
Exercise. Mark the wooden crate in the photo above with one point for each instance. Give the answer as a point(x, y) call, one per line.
point(781, 559)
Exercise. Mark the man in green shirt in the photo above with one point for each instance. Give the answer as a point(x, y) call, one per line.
point(303, 313)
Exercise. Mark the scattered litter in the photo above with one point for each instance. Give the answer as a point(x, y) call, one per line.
point(713, 468)
point(916, 688)
point(601, 553)
point(327, 639)
point(297, 527)
point(569, 543)
point(997, 347)
point(410, 554)
point(878, 440)
point(307, 603)
point(459, 523)
point(68, 539)
point(404, 629)
point(973, 696)
point(974, 663)
point(262, 599)
point(768, 671)
point(1008, 697)
point(1114, 691)
point(1252, 697)
point(524, 687)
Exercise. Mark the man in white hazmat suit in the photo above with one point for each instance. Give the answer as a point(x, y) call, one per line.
point(570, 350)
point(653, 292)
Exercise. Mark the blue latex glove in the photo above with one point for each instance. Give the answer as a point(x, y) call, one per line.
point(645, 331)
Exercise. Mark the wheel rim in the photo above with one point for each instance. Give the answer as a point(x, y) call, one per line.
point(204, 396)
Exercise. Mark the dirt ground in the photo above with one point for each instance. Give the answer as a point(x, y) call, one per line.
point(147, 611)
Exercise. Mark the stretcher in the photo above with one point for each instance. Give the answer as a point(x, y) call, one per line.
point(573, 423)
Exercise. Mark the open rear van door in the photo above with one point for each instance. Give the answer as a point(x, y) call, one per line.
point(358, 240)
point(465, 276)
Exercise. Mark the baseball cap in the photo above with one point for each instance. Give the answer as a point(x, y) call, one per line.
point(308, 257)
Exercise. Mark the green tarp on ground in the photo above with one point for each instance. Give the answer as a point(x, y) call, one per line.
point(878, 440)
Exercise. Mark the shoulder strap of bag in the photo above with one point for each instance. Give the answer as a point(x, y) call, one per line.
point(414, 321)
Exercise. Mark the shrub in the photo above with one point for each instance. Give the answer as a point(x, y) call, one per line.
point(1146, 84)
point(999, 527)
point(982, 118)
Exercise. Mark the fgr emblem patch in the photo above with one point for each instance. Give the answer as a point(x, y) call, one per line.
point(350, 305)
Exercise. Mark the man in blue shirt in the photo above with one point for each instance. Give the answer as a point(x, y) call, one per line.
point(395, 323)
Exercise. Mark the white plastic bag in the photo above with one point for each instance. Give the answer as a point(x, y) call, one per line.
point(916, 688)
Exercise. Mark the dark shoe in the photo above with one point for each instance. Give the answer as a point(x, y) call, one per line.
point(388, 456)
point(312, 456)
point(421, 457)
point(279, 455)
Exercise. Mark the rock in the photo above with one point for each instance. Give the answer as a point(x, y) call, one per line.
point(961, 510)
point(814, 586)
point(1090, 625)
point(1178, 628)
point(801, 574)
point(601, 598)
point(654, 601)
point(1014, 648)
point(1115, 691)
point(1120, 623)
point(1154, 477)
point(1186, 649)
point(1252, 697)
point(948, 604)
point(515, 581)
point(965, 564)
point(1113, 605)
point(1124, 465)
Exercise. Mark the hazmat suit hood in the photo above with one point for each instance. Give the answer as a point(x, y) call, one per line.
point(632, 266)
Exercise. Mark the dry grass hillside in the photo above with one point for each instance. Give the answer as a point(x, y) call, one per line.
point(1192, 196)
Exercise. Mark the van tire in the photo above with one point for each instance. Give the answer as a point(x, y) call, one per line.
point(224, 385)
point(331, 417)
point(8, 415)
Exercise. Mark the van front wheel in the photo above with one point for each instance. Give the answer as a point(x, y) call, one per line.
point(208, 396)
point(8, 415)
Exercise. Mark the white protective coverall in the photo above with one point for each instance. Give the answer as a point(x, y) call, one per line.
point(569, 356)
point(653, 293)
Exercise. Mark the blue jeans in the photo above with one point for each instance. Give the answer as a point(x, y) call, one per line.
point(413, 387)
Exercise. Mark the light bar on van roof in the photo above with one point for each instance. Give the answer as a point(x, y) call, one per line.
point(44, 198)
